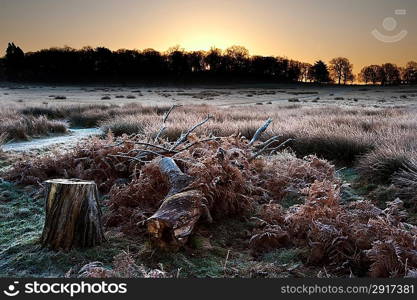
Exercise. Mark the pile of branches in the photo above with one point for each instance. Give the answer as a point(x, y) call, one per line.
point(232, 176)
point(113, 161)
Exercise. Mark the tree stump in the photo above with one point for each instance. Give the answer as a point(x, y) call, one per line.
point(73, 215)
point(174, 221)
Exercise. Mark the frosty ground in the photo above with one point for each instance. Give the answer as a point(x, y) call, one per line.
point(363, 139)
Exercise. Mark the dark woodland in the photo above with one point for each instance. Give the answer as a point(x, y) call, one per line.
point(233, 65)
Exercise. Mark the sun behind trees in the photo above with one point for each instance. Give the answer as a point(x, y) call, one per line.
point(101, 64)
point(235, 64)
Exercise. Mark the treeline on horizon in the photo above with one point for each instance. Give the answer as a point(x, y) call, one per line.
point(234, 65)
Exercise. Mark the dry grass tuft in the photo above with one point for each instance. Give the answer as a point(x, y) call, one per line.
point(22, 128)
point(406, 182)
point(3, 139)
point(392, 154)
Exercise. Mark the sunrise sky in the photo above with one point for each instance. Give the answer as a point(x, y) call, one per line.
point(306, 30)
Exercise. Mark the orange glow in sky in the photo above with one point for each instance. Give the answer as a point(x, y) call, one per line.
point(305, 30)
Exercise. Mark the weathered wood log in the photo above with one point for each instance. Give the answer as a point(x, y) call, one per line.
point(175, 219)
point(73, 215)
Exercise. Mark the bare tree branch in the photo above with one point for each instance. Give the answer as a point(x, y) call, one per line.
point(155, 146)
point(128, 157)
point(282, 145)
point(268, 142)
point(198, 142)
point(185, 135)
point(260, 131)
point(164, 120)
point(265, 148)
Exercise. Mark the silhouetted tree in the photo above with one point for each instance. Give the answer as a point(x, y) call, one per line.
point(2, 69)
point(196, 61)
point(152, 63)
point(214, 60)
point(14, 61)
point(234, 64)
point(126, 63)
point(320, 72)
point(390, 74)
point(305, 69)
point(341, 70)
point(409, 74)
point(177, 61)
point(371, 74)
point(236, 59)
point(264, 66)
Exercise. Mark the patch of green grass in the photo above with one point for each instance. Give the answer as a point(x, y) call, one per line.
point(382, 194)
point(185, 263)
point(205, 257)
point(21, 255)
point(200, 267)
point(27, 258)
point(359, 188)
point(291, 199)
point(351, 190)
point(348, 174)
point(284, 256)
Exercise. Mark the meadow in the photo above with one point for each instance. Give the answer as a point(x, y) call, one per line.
point(328, 190)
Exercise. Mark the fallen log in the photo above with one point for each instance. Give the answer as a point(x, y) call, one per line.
point(73, 215)
point(174, 221)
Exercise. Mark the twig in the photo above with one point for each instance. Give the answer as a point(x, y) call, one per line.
point(225, 262)
point(268, 142)
point(256, 154)
point(197, 142)
point(166, 115)
point(164, 119)
point(265, 146)
point(185, 135)
point(128, 157)
point(161, 130)
point(142, 151)
point(260, 131)
point(155, 146)
point(282, 145)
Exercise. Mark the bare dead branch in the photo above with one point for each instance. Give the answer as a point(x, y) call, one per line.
point(265, 148)
point(268, 142)
point(164, 120)
point(155, 146)
point(161, 130)
point(198, 142)
point(282, 145)
point(166, 115)
point(260, 131)
point(128, 157)
point(185, 135)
